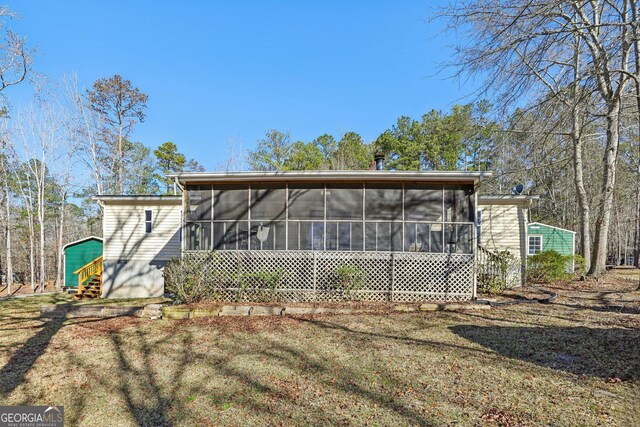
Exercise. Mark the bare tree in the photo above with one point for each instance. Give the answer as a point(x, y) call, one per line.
point(5, 170)
point(528, 47)
point(25, 188)
point(15, 57)
point(84, 127)
point(40, 130)
point(62, 177)
point(119, 106)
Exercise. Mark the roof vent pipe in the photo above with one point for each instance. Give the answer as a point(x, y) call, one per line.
point(379, 159)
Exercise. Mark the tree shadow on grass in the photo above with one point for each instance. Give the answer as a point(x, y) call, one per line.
point(13, 373)
point(596, 352)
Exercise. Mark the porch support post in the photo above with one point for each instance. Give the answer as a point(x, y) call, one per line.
point(474, 295)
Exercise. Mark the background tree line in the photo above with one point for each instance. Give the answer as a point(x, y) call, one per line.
point(563, 118)
point(68, 145)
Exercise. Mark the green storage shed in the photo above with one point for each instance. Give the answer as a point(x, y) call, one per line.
point(78, 254)
point(543, 237)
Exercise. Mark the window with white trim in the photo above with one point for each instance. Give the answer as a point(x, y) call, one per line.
point(535, 244)
point(148, 221)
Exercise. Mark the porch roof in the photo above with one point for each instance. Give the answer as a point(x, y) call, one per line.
point(331, 176)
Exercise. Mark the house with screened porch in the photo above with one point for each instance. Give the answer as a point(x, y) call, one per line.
point(406, 236)
point(409, 236)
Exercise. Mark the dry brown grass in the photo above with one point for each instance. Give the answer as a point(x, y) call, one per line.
point(573, 362)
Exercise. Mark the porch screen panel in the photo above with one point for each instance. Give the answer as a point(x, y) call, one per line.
point(437, 237)
point(344, 236)
point(459, 238)
point(268, 235)
point(383, 236)
point(198, 218)
point(344, 202)
point(230, 217)
point(231, 235)
point(458, 204)
point(198, 236)
point(417, 237)
point(423, 203)
point(306, 235)
point(230, 203)
point(306, 202)
point(383, 203)
point(200, 207)
point(268, 203)
point(268, 211)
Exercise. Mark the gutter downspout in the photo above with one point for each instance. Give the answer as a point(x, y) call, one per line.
point(176, 184)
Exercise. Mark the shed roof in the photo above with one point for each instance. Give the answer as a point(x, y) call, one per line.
point(551, 226)
point(77, 242)
point(507, 199)
point(331, 176)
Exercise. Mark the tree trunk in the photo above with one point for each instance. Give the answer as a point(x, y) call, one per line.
point(636, 233)
point(578, 165)
point(120, 158)
point(9, 266)
point(599, 258)
point(42, 252)
point(59, 266)
point(583, 202)
point(32, 252)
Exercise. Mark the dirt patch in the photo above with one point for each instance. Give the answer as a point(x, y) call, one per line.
point(89, 328)
point(502, 418)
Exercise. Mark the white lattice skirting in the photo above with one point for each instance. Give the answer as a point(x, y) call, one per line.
point(307, 276)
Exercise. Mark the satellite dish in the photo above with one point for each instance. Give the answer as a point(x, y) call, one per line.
point(518, 189)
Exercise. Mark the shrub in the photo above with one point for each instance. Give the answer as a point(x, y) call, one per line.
point(186, 278)
point(491, 284)
point(265, 283)
point(548, 266)
point(348, 279)
point(492, 278)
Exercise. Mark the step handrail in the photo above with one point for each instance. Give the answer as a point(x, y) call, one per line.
point(88, 271)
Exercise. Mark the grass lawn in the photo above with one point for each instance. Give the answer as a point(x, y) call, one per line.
point(573, 362)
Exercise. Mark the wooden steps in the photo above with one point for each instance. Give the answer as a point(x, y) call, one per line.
point(89, 280)
point(91, 289)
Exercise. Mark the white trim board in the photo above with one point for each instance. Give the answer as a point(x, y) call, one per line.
point(81, 240)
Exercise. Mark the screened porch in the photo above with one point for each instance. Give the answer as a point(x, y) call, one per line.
point(400, 236)
point(404, 217)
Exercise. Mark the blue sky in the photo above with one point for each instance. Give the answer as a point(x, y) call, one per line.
point(216, 72)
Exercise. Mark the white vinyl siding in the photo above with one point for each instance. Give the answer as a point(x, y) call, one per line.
point(125, 235)
point(502, 229)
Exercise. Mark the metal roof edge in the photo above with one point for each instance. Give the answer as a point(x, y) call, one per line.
point(75, 242)
point(551, 226)
point(456, 176)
